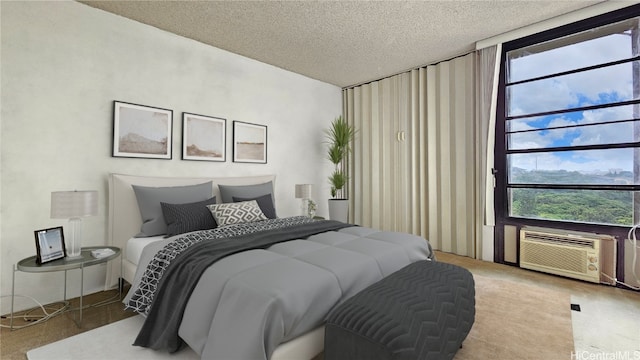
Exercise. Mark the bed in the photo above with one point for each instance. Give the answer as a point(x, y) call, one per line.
point(257, 311)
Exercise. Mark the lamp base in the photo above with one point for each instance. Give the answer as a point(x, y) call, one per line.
point(303, 207)
point(74, 246)
point(308, 207)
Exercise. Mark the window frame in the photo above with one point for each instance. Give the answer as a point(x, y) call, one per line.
point(501, 170)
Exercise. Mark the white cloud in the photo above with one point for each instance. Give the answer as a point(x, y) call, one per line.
point(539, 139)
point(609, 133)
point(607, 114)
point(561, 92)
point(596, 51)
point(569, 91)
point(582, 161)
point(540, 96)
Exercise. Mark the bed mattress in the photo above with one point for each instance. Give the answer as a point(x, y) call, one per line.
point(135, 245)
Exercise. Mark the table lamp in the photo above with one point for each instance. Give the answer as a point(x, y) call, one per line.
point(74, 205)
point(303, 191)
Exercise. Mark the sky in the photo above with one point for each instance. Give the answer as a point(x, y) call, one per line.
point(147, 123)
point(206, 133)
point(605, 85)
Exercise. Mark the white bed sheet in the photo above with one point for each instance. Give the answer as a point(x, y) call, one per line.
point(136, 245)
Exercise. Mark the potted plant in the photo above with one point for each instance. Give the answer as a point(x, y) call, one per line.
point(339, 137)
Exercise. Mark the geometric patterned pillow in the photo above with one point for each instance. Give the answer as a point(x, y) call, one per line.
point(265, 202)
point(184, 218)
point(236, 213)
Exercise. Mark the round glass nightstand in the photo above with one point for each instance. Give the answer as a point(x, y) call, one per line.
point(29, 265)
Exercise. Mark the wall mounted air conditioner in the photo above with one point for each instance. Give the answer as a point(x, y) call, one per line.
point(578, 255)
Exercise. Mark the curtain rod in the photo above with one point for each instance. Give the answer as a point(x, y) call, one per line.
point(406, 71)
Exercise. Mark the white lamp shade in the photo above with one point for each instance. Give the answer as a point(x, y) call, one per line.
point(303, 191)
point(73, 204)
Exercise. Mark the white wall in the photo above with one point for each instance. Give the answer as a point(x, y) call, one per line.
point(62, 66)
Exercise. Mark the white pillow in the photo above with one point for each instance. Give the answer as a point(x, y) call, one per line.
point(236, 213)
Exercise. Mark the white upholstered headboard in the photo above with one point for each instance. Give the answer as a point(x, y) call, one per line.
point(124, 215)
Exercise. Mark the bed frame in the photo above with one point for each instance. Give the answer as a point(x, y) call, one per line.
point(124, 215)
point(125, 222)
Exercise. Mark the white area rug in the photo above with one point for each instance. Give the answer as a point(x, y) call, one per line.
point(601, 331)
point(108, 342)
point(113, 341)
point(598, 330)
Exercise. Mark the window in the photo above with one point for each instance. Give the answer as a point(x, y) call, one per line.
point(571, 126)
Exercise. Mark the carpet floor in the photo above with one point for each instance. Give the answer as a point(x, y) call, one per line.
point(518, 321)
point(513, 321)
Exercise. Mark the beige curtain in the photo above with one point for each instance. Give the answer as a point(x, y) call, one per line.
point(488, 69)
point(413, 163)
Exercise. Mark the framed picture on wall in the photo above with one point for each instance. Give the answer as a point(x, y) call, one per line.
point(141, 131)
point(249, 142)
point(204, 138)
point(49, 245)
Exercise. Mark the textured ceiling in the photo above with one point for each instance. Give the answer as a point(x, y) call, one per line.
point(341, 42)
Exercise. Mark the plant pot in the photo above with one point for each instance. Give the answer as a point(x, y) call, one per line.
point(339, 210)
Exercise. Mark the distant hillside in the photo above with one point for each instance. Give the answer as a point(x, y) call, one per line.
point(194, 150)
point(603, 207)
point(135, 143)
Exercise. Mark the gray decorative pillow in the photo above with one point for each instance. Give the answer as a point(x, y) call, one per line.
point(149, 199)
point(184, 218)
point(265, 202)
point(227, 192)
point(236, 213)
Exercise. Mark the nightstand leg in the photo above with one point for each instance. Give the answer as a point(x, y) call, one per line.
point(120, 286)
point(81, 291)
point(13, 295)
point(120, 280)
point(65, 285)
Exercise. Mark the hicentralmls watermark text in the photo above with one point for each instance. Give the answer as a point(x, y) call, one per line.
point(614, 355)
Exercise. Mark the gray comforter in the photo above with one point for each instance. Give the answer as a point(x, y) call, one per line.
point(246, 304)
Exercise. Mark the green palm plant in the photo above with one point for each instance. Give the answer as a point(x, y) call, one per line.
point(339, 137)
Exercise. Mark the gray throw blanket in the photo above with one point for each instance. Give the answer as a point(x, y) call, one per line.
point(160, 329)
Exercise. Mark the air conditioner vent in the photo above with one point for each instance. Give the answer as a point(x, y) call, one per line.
point(554, 257)
point(566, 240)
point(573, 254)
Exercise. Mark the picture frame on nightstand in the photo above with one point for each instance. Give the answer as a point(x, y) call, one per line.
point(50, 244)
